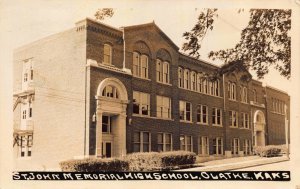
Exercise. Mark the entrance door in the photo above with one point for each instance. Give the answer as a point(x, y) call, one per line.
point(108, 149)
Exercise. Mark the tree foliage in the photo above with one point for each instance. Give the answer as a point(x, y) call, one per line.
point(264, 43)
point(102, 13)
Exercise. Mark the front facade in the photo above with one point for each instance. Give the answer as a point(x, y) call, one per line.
point(99, 91)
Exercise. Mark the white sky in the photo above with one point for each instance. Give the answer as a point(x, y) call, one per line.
point(23, 21)
point(31, 21)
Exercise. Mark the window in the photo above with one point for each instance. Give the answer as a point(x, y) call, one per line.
point(141, 103)
point(245, 120)
point(194, 81)
point(231, 91)
point(166, 72)
point(140, 65)
point(26, 145)
point(235, 146)
point(218, 146)
point(247, 147)
point(107, 54)
point(203, 146)
point(163, 107)
point(30, 110)
point(27, 74)
point(254, 96)
point(204, 85)
point(244, 96)
point(164, 142)
point(106, 124)
point(187, 79)
point(110, 91)
point(199, 83)
point(162, 71)
point(25, 77)
point(202, 114)
point(141, 142)
point(180, 77)
point(186, 143)
point(210, 88)
point(24, 114)
point(233, 118)
point(185, 109)
point(217, 117)
point(217, 88)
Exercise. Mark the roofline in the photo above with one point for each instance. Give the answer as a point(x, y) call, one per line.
point(101, 23)
point(278, 90)
point(153, 23)
point(202, 61)
point(48, 37)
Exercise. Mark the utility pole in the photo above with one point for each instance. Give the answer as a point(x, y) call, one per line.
point(286, 121)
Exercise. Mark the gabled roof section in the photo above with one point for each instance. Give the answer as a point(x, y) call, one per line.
point(236, 66)
point(152, 24)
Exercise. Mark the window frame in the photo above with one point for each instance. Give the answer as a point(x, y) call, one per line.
point(141, 141)
point(140, 103)
point(217, 146)
point(215, 117)
point(235, 146)
point(201, 114)
point(162, 107)
point(185, 112)
point(25, 148)
point(203, 146)
point(233, 118)
point(110, 54)
point(184, 146)
point(164, 142)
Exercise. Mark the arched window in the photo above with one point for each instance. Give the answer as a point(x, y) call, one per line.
point(180, 77)
point(187, 79)
point(199, 83)
point(254, 96)
point(204, 84)
point(232, 90)
point(194, 81)
point(110, 91)
point(107, 54)
point(136, 64)
point(216, 88)
point(140, 65)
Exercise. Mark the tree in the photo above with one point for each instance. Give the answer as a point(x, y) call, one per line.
point(102, 13)
point(264, 43)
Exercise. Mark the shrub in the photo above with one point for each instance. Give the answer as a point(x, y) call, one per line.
point(154, 161)
point(177, 158)
point(94, 165)
point(268, 151)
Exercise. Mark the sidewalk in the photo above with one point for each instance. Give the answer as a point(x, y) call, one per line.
point(235, 163)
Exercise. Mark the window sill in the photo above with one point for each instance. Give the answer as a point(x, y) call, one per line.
point(139, 115)
point(24, 158)
point(168, 84)
point(141, 78)
point(244, 128)
point(217, 125)
point(143, 116)
point(277, 113)
point(233, 127)
point(200, 92)
point(200, 123)
point(244, 102)
point(184, 121)
point(232, 100)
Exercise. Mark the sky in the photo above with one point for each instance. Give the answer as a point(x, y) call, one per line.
point(28, 22)
point(24, 21)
